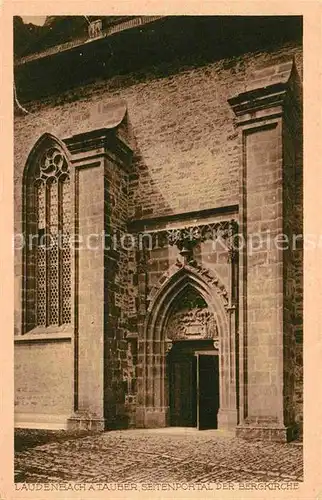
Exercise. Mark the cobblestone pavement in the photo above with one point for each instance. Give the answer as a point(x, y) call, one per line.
point(158, 456)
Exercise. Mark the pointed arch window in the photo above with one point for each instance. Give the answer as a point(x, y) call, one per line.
point(48, 226)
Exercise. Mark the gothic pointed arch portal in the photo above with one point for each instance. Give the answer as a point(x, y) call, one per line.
point(188, 305)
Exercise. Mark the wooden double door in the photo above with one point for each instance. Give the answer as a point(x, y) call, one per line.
point(194, 386)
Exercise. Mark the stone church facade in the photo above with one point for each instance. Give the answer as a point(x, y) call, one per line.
point(158, 177)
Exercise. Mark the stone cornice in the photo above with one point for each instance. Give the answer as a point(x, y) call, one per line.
point(98, 135)
point(270, 90)
point(101, 132)
point(126, 23)
point(258, 99)
point(96, 139)
point(186, 238)
point(156, 224)
point(87, 141)
point(91, 146)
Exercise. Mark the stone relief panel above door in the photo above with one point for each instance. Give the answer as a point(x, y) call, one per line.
point(191, 319)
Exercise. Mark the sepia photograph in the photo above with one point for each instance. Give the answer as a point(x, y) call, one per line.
point(158, 253)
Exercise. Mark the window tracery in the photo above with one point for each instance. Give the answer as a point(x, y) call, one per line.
point(48, 263)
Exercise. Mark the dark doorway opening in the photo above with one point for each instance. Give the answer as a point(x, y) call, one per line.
point(183, 390)
point(208, 385)
point(193, 384)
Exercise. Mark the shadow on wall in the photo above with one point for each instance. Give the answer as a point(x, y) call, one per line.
point(124, 323)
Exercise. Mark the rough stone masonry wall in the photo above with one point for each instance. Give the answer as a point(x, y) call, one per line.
point(293, 227)
point(289, 279)
point(182, 124)
point(186, 155)
point(298, 275)
point(119, 366)
point(44, 378)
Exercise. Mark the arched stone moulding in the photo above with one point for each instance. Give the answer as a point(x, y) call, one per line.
point(208, 276)
point(172, 284)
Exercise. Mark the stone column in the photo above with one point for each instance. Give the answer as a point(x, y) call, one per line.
point(228, 412)
point(97, 157)
point(268, 114)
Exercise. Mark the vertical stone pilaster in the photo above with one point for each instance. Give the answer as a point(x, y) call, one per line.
point(266, 390)
point(88, 283)
point(91, 290)
point(98, 158)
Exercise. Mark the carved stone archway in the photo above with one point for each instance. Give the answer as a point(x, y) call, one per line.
point(152, 391)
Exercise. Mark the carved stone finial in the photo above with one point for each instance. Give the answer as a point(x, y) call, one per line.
point(187, 255)
point(185, 240)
